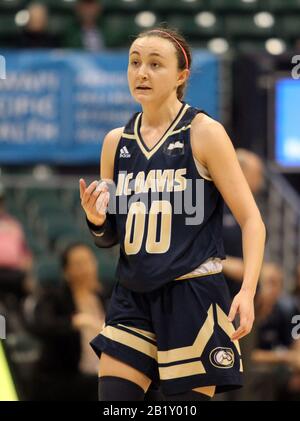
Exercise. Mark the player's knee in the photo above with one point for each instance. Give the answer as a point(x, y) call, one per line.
point(112, 367)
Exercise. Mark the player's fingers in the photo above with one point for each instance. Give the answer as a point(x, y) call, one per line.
point(244, 328)
point(82, 187)
point(88, 192)
point(93, 199)
point(232, 312)
point(238, 334)
point(102, 186)
point(102, 203)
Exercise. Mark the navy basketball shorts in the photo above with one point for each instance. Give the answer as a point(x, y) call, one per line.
point(177, 335)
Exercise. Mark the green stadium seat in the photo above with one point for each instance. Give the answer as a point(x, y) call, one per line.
point(120, 5)
point(281, 5)
point(234, 5)
point(178, 5)
point(249, 46)
point(48, 271)
point(8, 26)
point(53, 230)
point(38, 195)
point(19, 214)
point(58, 23)
point(52, 211)
point(11, 5)
point(120, 30)
point(187, 24)
point(61, 6)
point(35, 246)
point(117, 29)
point(71, 198)
point(107, 266)
point(290, 26)
point(244, 26)
point(64, 241)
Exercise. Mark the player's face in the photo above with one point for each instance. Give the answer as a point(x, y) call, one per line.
point(153, 73)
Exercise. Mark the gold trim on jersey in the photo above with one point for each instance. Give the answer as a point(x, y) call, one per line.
point(192, 351)
point(128, 136)
point(148, 154)
point(181, 130)
point(130, 340)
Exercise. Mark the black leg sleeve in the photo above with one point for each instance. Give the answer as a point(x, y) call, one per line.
point(117, 389)
point(191, 395)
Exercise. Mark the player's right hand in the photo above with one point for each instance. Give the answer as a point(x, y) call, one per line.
point(94, 200)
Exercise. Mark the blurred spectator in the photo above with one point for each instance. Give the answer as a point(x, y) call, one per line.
point(233, 268)
point(277, 354)
point(86, 33)
point(296, 294)
point(65, 320)
point(36, 33)
point(15, 256)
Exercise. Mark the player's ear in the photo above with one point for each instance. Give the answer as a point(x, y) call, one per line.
point(183, 76)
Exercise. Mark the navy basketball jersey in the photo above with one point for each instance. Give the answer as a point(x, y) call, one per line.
point(168, 216)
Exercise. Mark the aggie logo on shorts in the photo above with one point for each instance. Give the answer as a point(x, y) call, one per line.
point(222, 357)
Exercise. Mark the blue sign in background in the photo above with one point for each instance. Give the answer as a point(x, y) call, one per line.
point(287, 133)
point(56, 106)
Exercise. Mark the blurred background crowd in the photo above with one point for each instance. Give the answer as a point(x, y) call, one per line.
point(55, 285)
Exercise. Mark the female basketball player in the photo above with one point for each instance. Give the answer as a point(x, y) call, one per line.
point(170, 318)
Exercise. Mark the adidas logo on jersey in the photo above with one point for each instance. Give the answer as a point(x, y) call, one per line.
point(124, 153)
point(175, 145)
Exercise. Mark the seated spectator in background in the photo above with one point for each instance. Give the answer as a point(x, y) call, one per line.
point(15, 257)
point(65, 320)
point(296, 294)
point(233, 267)
point(36, 33)
point(277, 354)
point(85, 33)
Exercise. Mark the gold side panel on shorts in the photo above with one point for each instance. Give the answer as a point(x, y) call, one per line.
point(227, 326)
point(181, 370)
point(145, 333)
point(147, 153)
point(192, 351)
point(130, 340)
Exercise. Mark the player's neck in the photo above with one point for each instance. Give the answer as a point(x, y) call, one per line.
point(156, 115)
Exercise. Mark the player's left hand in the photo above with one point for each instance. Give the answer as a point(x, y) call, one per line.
point(243, 304)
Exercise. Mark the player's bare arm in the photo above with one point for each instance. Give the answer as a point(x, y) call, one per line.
point(213, 148)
